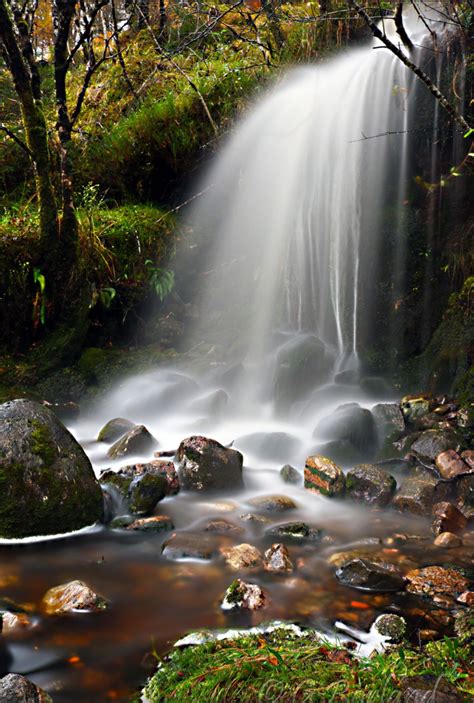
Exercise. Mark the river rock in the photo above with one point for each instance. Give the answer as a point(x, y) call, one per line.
point(242, 556)
point(468, 456)
point(370, 484)
point(277, 558)
point(419, 493)
point(243, 596)
point(273, 503)
point(114, 429)
point(392, 626)
point(141, 486)
point(16, 689)
point(433, 580)
point(447, 518)
point(431, 443)
point(72, 597)
point(206, 465)
point(290, 475)
point(294, 530)
point(415, 407)
point(157, 523)
point(463, 490)
point(321, 475)
point(450, 465)
point(427, 688)
point(447, 540)
point(301, 364)
point(14, 622)
point(369, 576)
point(138, 440)
point(351, 424)
point(467, 598)
point(48, 485)
point(222, 527)
point(189, 545)
point(389, 422)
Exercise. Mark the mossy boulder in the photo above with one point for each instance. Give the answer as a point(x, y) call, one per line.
point(47, 484)
point(370, 484)
point(207, 465)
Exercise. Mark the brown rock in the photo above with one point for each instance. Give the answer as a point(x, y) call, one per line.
point(71, 597)
point(436, 580)
point(242, 556)
point(273, 503)
point(14, 622)
point(321, 475)
point(157, 523)
point(190, 545)
point(468, 457)
point(277, 558)
point(450, 464)
point(447, 518)
point(447, 540)
point(16, 689)
point(420, 492)
point(221, 526)
point(467, 598)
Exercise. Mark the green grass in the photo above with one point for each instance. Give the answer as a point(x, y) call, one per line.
point(280, 667)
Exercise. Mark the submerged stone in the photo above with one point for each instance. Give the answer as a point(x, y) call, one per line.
point(433, 580)
point(189, 545)
point(277, 559)
point(221, 526)
point(321, 475)
point(157, 523)
point(206, 465)
point(369, 576)
point(295, 530)
point(242, 556)
point(138, 440)
point(273, 503)
point(47, 482)
point(370, 484)
point(72, 597)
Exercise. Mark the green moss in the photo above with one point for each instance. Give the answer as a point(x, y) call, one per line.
point(282, 667)
point(41, 443)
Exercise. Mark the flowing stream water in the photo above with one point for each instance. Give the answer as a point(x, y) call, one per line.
point(291, 220)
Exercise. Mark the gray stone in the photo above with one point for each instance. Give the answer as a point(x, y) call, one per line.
point(290, 475)
point(47, 482)
point(370, 484)
point(273, 503)
point(369, 576)
point(140, 486)
point(418, 494)
point(206, 465)
point(389, 422)
point(136, 441)
point(432, 442)
point(350, 423)
point(189, 545)
point(114, 429)
point(302, 363)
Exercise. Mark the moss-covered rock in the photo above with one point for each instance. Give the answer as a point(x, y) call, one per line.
point(47, 485)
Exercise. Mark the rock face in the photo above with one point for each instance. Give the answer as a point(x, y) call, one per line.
point(72, 597)
point(447, 518)
point(205, 465)
point(141, 486)
point(277, 559)
point(114, 429)
point(420, 492)
point(136, 441)
point(368, 576)
point(46, 480)
point(352, 425)
point(370, 484)
point(243, 596)
point(16, 689)
point(242, 556)
point(433, 580)
point(321, 475)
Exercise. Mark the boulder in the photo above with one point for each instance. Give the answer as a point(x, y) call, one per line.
point(321, 475)
point(369, 576)
point(114, 429)
point(433, 580)
point(140, 486)
point(47, 482)
point(419, 493)
point(451, 465)
point(157, 523)
point(415, 407)
point(350, 424)
point(432, 442)
point(136, 441)
point(463, 493)
point(290, 475)
point(447, 518)
point(447, 540)
point(206, 465)
point(277, 559)
point(389, 422)
point(273, 503)
point(243, 596)
point(242, 556)
point(301, 364)
point(370, 484)
point(75, 596)
point(16, 689)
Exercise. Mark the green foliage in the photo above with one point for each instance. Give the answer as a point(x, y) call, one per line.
point(161, 281)
point(282, 667)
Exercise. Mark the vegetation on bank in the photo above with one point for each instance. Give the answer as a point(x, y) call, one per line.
point(281, 667)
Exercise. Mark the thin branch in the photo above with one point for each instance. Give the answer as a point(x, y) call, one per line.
point(16, 139)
